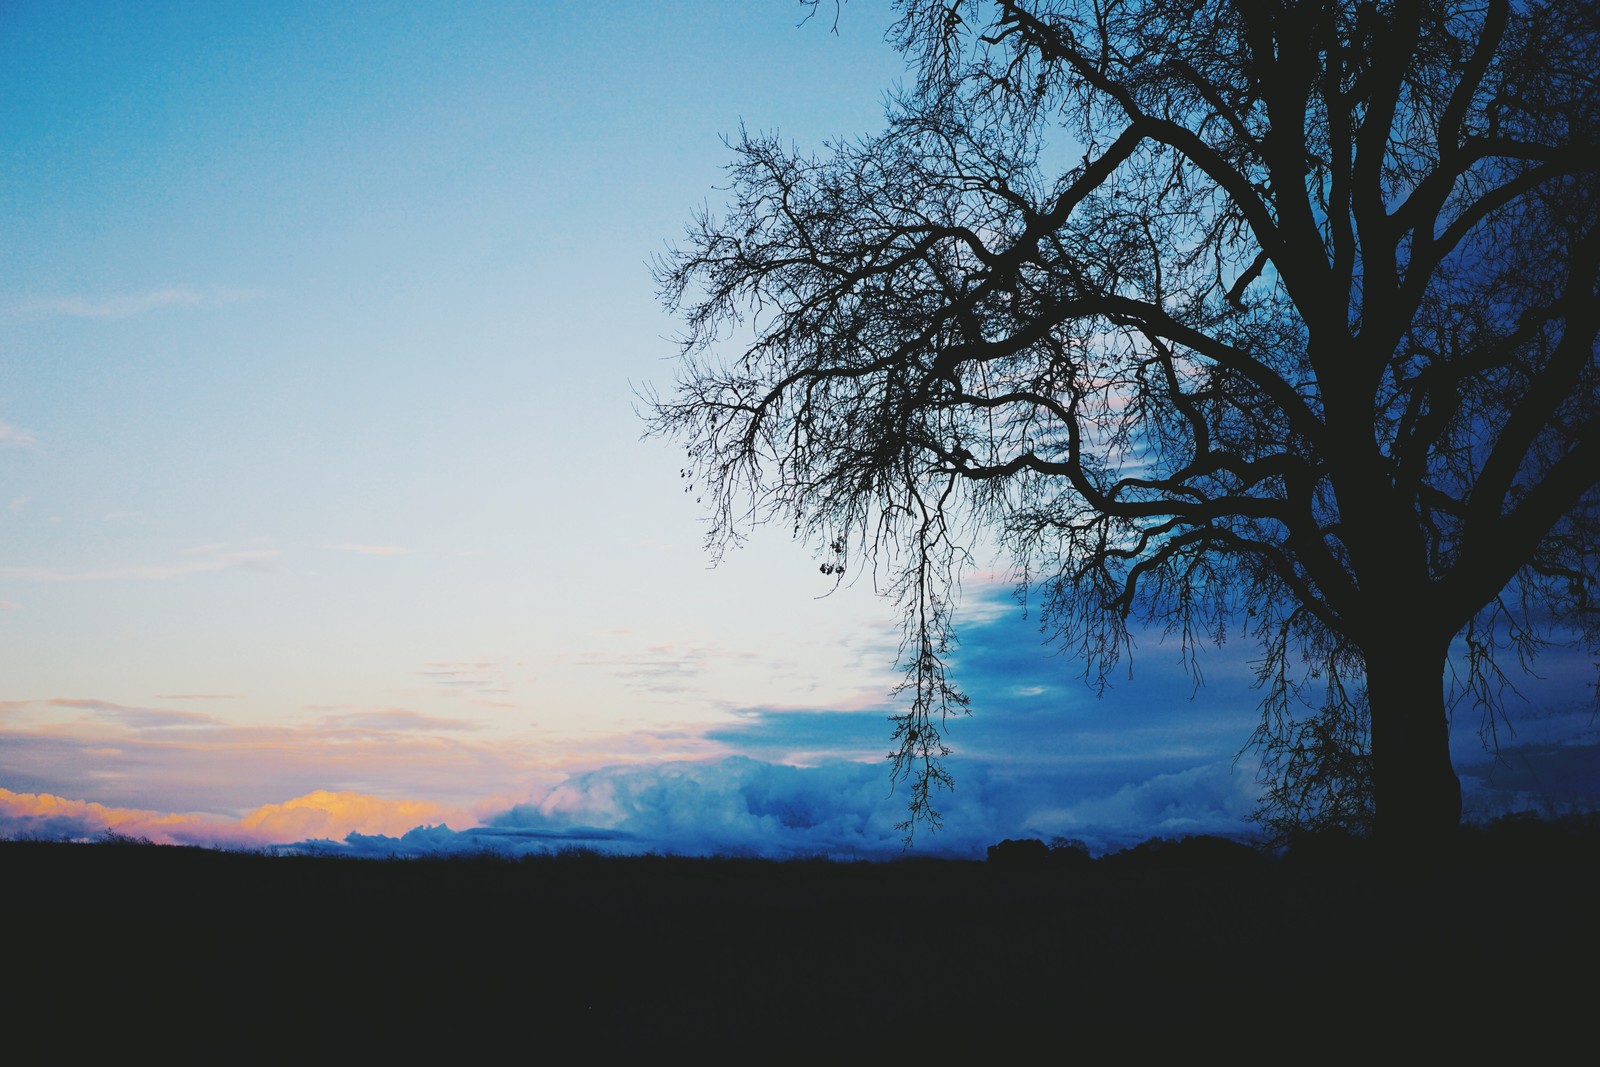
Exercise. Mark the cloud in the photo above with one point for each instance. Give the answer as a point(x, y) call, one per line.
point(1216, 798)
point(805, 735)
point(481, 678)
point(315, 815)
point(119, 307)
point(398, 719)
point(8, 605)
point(837, 808)
point(210, 560)
point(13, 435)
point(372, 550)
point(324, 814)
point(1551, 778)
point(43, 815)
point(662, 669)
point(732, 806)
point(136, 717)
point(171, 759)
point(454, 672)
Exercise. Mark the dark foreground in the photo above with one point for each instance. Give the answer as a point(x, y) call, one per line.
point(222, 957)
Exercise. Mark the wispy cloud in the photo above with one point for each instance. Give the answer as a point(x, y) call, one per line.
point(136, 717)
point(398, 719)
point(662, 669)
point(372, 550)
point(14, 435)
point(208, 560)
point(128, 304)
point(481, 677)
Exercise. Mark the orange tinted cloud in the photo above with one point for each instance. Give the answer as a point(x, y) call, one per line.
point(328, 815)
point(47, 815)
point(319, 814)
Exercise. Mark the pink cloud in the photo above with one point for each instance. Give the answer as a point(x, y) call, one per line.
point(50, 816)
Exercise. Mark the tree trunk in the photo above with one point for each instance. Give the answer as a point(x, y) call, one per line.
point(1416, 794)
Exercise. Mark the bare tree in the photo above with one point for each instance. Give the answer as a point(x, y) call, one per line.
point(1268, 317)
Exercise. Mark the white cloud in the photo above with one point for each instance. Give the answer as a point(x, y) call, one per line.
point(118, 307)
point(372, 550)
point(255, 560)
point(13, 435)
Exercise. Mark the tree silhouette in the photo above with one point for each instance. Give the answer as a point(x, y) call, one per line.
point(1267, 318)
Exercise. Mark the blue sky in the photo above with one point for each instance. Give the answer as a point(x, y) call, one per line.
point(323, 504)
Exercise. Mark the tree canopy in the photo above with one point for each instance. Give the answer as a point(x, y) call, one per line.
point(1270, 318)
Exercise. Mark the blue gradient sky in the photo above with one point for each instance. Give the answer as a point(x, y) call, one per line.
point(323, 505)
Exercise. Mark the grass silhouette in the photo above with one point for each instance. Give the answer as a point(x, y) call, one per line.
point(205, 953)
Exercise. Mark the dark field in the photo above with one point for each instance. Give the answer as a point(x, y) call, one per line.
point(222, 956)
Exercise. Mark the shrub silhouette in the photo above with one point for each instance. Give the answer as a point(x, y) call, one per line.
point(1023, 852)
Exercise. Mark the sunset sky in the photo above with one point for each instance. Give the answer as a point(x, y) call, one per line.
point(324, 508)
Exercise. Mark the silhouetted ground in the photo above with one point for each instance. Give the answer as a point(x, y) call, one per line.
point(215, 956)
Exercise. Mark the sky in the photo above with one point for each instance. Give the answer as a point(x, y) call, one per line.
point(325, 511)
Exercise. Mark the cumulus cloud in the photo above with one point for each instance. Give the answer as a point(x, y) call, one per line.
point(324, 814)
point(733, 806)
point(1556, 777)
point(1217, 798)
point(738, 806)
point(319, 814)
point(49, 817)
